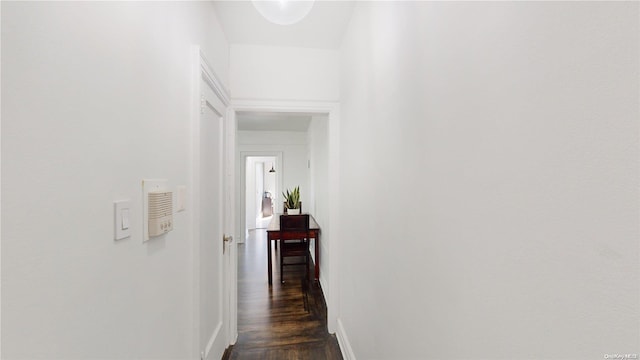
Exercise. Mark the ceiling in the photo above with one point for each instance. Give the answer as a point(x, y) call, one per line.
point(322, 28)
point(273, 121)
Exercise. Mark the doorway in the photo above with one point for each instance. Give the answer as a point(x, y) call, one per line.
point(261, 191)
point(322, 191)
point(249, 212)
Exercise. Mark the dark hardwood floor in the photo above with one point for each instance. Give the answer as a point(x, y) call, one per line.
point(272, 321)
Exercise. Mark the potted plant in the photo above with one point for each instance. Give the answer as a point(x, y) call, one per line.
point(292, 204)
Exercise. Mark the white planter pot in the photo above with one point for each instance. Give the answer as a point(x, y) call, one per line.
point(293, 211)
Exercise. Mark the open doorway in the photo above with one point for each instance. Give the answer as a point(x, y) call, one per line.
point(253, 185)
point(304, 138)
point(306, 159)
point(261, 191)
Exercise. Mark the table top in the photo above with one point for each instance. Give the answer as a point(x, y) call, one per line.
point(274, 225)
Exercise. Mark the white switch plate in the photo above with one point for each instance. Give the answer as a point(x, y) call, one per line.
point(181, 201)
point(122, 221)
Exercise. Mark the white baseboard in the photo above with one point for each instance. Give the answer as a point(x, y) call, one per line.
point(216, 343)
point(325, 288)
point(343, 341)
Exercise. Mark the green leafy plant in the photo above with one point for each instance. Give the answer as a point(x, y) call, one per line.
point(292, 198)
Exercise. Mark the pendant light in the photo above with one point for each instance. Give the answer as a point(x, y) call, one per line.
point(283, 12)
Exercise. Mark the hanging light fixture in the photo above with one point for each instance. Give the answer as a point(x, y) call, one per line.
point(283, 12)
point(272, 169)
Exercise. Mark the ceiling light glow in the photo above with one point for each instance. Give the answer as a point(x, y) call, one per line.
point(283, 12)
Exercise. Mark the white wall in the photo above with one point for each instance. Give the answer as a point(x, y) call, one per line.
point(270, 184)
point(259, 174)
point(96, 97)
point(500, 218)
point(319, 190)
point(293, 146)
point(250, 194)
point(294, 172)
point(281, 73)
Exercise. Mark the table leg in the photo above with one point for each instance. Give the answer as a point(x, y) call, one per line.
point(269, 261)
point(317, 264)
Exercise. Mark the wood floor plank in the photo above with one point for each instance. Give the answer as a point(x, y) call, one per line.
point(272, 321)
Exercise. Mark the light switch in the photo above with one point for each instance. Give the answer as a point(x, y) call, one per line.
point(122, 220)
point(125, 219)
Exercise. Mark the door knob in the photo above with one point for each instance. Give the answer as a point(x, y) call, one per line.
point(226, 239)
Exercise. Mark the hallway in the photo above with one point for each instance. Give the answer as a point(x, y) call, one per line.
point(273, 323)
point(473, 167)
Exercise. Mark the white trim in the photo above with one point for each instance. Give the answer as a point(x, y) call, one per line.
point(230, 220)
point(212, 340)
point(323, 286)
point(216, 96)
point(210, 77)
point(315, 107)
point(343, 341)
point(335, 245)
point(194, 204)
point(0, 200)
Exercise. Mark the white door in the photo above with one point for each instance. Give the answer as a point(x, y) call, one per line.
point(212, 294)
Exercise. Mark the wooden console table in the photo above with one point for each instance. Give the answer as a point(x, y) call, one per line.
point(273, 234)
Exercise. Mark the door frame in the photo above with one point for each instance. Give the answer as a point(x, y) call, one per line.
point(225, 333)
point(243, 156)
point(332, 109)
